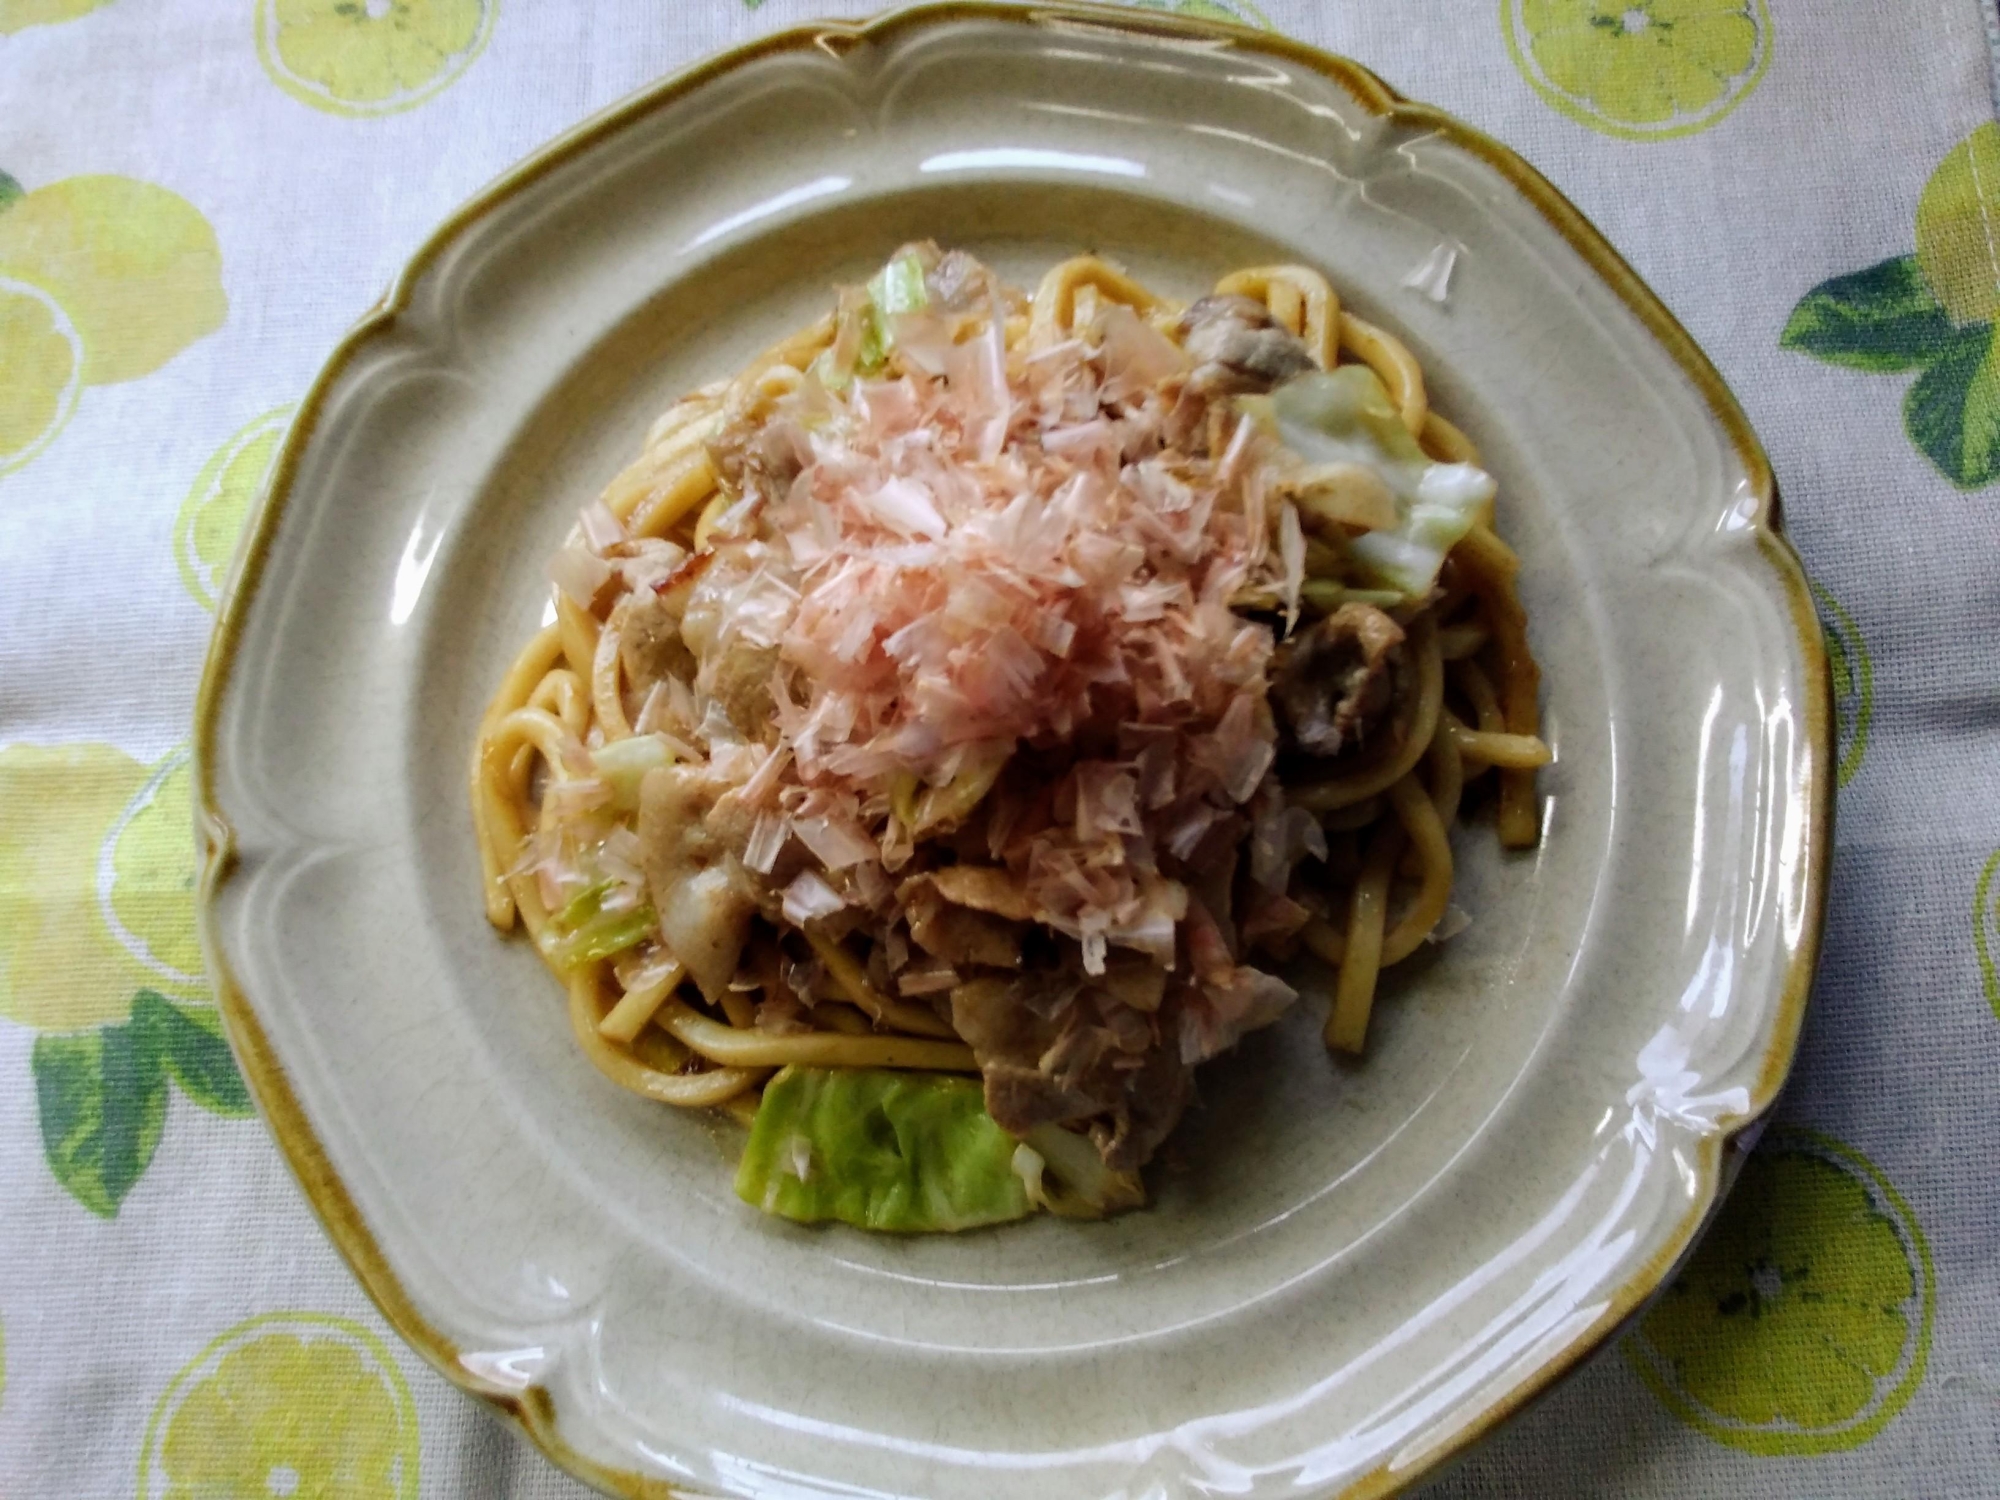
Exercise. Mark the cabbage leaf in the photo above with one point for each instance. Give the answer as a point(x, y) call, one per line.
point(1345, 416)
point(896, 289)
point(584, 932)
point(880, 1149)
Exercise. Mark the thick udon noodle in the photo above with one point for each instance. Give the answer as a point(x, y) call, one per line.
point(1387, 823)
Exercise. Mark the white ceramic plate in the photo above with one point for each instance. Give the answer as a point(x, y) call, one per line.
point(1355, 1270)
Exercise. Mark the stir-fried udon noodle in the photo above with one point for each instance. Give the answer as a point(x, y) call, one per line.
point(952, 724)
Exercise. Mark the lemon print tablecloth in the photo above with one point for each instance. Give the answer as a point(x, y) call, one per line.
point(197, 198)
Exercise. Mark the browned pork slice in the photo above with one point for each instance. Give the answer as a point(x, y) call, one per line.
point(1335, 682)
point(1056, 1050)
point(1237, 346)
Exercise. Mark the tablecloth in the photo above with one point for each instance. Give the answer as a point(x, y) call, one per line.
point(197, 198)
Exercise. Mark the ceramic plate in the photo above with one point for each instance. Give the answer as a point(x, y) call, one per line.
point(1353, 1271)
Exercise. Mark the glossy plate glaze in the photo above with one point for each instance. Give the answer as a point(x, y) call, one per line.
point(1349, 1271)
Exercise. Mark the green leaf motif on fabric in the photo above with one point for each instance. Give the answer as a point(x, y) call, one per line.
point(1986, 930)
point(102, 1095)
point(1640, 70)
point(1931, 312)
point(98, 954)
point(1882, 319)
point(103, 1100)
point(194, 1053)
point(1803, 1323)
point(1952, 412)
point(1853, 673)
point(9, 190)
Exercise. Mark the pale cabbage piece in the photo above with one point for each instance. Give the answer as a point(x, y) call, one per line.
point(913, 1152)
point(1343, 417)
point(880, 1149)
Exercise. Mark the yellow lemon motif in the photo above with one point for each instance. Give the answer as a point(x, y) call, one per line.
point(96, 884)
point(135, 266)
point(1803, 1323)
point(212, 515)
point(1986, 929)
point(145, 881)
point(16, 14)
point(370, 57)
point(60, 967)
point(1958, 228)
point(1640, 69)
point(295, 1404)
point(41, 370)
